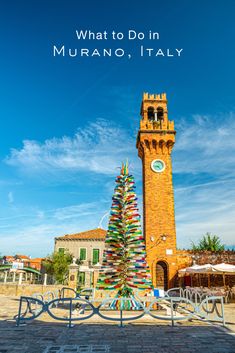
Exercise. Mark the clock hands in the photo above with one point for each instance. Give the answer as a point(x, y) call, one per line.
point(158, 165)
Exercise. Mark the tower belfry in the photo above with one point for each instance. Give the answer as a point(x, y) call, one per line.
point(155, 141)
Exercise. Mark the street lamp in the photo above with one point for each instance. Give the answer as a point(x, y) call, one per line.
point(161, 238)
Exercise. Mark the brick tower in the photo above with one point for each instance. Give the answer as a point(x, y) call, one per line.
point(155, 141)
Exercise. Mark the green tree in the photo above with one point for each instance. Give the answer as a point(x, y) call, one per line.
point(208, 242)
point(57, 265)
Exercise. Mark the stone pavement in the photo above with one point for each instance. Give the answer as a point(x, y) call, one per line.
point(56, 338)
point(46, 335)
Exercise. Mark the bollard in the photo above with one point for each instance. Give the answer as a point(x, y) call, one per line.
point(172, 314)
point(5, 277)
point(20, 278)
point(70, 314)
point(45, 279)
point(222, 311)
point(14, 276)
point(121, 324)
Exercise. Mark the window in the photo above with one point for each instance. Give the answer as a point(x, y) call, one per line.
point(83, 254)
point(96, 256)
point(81, 278)
point(61, 250)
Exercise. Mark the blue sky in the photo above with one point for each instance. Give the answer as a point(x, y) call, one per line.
point(68, 123)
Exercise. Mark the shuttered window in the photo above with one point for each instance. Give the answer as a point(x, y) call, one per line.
point(83, 254)
point(96, 256)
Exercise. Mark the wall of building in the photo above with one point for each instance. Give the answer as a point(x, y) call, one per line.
point(187, 258)
point(27, 290)
point(74, 246)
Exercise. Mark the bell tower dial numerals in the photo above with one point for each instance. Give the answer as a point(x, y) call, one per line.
point(158, 165)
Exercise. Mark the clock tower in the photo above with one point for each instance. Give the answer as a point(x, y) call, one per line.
point(155, 142)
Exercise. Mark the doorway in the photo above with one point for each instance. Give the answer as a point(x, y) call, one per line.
point(162, 275)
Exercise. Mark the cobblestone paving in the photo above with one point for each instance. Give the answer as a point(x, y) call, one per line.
point(41, 338)
point(48, 336)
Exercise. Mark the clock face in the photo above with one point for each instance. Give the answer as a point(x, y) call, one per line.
point(158, 165)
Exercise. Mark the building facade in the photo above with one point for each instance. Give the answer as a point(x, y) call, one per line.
point(86, 246)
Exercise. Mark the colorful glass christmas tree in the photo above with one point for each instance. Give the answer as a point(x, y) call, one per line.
point(124, 263)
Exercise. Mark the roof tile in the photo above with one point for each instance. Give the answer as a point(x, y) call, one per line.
point(97, 233)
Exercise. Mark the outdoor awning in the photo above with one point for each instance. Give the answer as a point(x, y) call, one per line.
point(226, 268)
point(197, 269)
point(208, 268)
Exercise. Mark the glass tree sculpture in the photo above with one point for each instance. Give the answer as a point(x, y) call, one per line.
point(124, 265)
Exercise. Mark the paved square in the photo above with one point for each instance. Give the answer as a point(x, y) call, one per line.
point(45, 335)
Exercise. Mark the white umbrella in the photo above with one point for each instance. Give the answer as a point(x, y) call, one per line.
point(225, 268)
point(207, 268)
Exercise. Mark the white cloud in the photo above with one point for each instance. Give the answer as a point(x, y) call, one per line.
point(207, 145)
point(34, 233)
point(98, 148)
point(10, 197)
point(208, 207)
point(40, 214)
point(75, 211)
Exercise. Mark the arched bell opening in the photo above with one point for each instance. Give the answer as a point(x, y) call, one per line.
point(162, 275)
point(160, 115)
point(150, 113)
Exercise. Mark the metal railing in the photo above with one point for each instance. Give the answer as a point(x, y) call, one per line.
point(208, 307)
point(188, 293)
point(194, 294)
point(75, 309)
point(48, 296)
